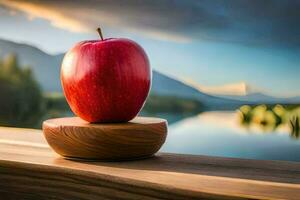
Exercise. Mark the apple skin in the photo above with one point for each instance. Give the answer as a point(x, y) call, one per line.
point(106, 80)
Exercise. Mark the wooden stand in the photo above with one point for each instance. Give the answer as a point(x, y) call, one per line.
point(74, 138)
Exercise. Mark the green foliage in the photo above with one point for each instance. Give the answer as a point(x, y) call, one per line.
point(21, 101)
point(56, 106)
point(56, 101)
point(154, 104)
point(294, 123)
point(270, 117)
point(169, 107)
point(172, 104)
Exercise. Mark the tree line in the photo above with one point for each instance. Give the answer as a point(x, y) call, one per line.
point(21, 100)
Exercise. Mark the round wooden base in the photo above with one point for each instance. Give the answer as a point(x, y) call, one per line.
point(74, 138)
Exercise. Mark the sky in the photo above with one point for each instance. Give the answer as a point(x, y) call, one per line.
point(213, 44)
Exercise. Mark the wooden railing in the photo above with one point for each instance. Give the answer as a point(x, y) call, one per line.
point(29, 169)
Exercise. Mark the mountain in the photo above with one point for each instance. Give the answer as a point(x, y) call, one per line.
point(44, 66)
point(259, 98)
point(165, 85)
point(244, 92)
point(46, 69)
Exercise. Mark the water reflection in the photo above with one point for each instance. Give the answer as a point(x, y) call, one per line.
point(294, 124)
point(171, 117)
point(222, 134)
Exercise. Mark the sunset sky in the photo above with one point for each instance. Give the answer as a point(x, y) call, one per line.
point(205, 42)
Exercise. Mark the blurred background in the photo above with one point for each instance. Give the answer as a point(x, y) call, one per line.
point(225, 72)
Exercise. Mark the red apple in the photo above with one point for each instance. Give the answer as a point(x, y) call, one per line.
point(106, 80)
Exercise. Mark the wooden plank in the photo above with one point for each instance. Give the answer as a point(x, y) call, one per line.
point(29, 169)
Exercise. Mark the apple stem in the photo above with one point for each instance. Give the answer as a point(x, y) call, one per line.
point(100, 33)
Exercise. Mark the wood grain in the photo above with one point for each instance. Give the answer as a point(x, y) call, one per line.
point(29, 169)
point(74, 138)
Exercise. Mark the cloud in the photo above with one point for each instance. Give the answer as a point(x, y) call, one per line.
point(85, 18)
point(250, 22)
point(56, 18)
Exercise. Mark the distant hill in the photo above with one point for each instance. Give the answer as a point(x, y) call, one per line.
point(46, 69)
point(44, 66)
point(263, 98)
point(165, 85)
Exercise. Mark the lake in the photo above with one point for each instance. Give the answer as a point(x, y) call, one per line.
point(221, 134)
